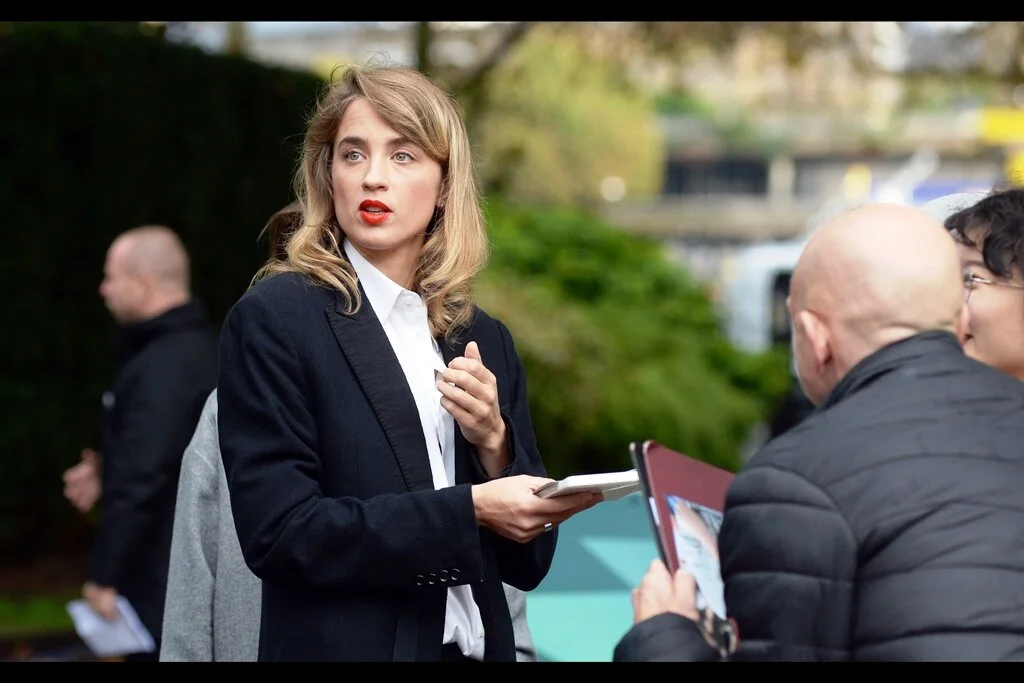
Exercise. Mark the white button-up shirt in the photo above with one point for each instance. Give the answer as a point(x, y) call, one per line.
point(403, 314)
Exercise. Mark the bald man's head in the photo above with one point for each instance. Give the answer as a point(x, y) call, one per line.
point(145, 274)
point(870, 277)
point(157, 252)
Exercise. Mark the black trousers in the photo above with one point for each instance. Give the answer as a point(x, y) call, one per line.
point(144, 656)
point(452, 653)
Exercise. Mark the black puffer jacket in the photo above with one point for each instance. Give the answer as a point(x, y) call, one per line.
point(887, 526)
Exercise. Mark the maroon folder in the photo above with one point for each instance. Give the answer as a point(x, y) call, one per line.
point(666, 474)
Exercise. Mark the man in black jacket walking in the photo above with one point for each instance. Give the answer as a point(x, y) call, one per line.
point(886, 526)
point(166, 367)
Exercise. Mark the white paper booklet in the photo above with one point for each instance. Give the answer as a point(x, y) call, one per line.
point(613, 485)
point(124, 635)
point(695, 535)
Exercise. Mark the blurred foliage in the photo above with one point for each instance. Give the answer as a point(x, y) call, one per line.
point(798, 39)
point(669, 102)
point(42, 614)
point(995, 54)
point(560, 119)
point(619, 344)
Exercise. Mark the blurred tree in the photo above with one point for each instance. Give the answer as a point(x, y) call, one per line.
point(237, 38)
point(561, 121)
point(153, 28)
point(983, 53)
point(424, 41)
point(470, 86)
point(1003, 43)
point(679, 39)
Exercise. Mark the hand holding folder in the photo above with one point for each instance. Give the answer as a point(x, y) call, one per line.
point(686, 498)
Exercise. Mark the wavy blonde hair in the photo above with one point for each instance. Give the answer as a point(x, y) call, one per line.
point(456, 246)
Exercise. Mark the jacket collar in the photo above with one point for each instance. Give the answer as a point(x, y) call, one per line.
point(890, 358)
point(381, 291)
point(133, 337)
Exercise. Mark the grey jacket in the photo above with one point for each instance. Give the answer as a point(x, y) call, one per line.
point(212, 611)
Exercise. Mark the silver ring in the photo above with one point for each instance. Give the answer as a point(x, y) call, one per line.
point(548, 527)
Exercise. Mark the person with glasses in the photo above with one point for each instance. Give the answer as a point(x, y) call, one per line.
point(989, 232)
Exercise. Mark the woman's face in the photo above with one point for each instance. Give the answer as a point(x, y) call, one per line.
point(386, 189)
point(995, 329)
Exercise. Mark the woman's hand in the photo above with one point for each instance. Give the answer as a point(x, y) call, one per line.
point(509, 507)
point(473, 402)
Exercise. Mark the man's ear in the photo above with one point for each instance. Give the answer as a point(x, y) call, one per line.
point(819, 339)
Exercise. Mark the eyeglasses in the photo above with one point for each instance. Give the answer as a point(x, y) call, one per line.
point(971, 281)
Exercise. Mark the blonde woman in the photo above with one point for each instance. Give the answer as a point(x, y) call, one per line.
point(212, 609)
point(374, 424)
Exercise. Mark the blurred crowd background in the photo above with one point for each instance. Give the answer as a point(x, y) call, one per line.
point(648, 187)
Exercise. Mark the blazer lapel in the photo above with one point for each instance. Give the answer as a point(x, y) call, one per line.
point(366, 345)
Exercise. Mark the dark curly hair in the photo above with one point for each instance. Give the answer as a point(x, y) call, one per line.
point(995, 227)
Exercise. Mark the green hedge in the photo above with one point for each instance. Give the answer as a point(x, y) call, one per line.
point(619, 344)
point(105, 128)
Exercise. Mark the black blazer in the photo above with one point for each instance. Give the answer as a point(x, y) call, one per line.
point(331, 488)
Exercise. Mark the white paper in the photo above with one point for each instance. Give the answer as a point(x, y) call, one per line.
point(123, 636)
point(695, 534)
point(613, 485)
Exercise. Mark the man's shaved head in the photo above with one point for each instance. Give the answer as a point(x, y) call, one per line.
point(867, 278)
point(146, 273)
point(156, 251)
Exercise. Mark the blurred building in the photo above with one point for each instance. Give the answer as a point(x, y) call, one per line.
point(811, 138)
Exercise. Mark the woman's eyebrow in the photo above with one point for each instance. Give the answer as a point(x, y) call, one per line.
point(357, 141)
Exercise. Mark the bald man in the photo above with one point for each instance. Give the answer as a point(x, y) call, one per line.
point(887, 525)
point(166, 367)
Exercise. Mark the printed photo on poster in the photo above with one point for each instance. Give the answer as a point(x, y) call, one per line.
point(695, 535)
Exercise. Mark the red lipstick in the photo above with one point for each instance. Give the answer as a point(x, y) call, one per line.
point(374, 212)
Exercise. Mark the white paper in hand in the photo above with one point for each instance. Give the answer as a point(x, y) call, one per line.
point(124, 635)
point(613, 485)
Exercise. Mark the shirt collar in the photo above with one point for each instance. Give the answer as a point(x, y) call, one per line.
point(381, 291)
